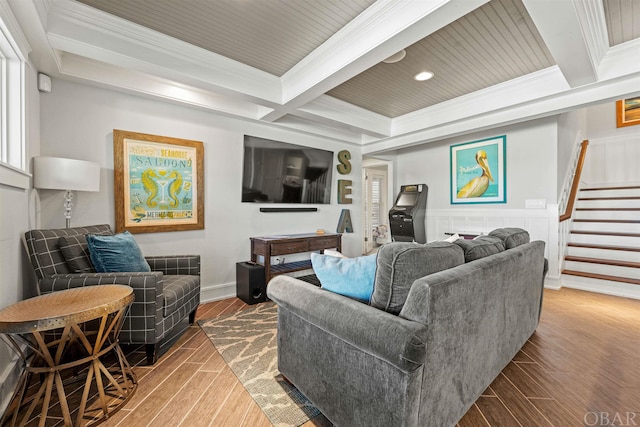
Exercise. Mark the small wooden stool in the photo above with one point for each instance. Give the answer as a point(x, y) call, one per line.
point(51, 326)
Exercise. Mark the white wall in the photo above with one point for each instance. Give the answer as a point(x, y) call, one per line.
point(613, 153)
point(530, 170)
point(77, 121)
point(16, 217)
point(572, 130)
point(531, 173)
point(601, 122)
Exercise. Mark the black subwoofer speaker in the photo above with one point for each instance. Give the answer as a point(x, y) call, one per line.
point(250, 283)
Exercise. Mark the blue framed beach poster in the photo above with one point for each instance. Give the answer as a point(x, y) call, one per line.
point(479, 171)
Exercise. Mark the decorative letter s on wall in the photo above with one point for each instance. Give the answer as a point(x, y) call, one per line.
point(344, 167)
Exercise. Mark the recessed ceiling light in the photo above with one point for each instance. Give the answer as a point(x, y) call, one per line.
point(422, 76)
point(396, 57)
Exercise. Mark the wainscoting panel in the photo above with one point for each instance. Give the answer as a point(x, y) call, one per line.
point(612, 161)
point(535, 221)
point(542, 224)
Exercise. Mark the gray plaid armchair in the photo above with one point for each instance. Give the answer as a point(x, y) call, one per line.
point(164, 297)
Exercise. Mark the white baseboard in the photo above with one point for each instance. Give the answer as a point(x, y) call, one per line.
point(601, 286)
point(217, 292)
point(553, 283)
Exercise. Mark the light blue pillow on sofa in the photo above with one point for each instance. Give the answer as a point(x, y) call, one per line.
point(351, 277)
point(116, 253)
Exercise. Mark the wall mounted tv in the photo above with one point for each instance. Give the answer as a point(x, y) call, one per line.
point(278, 172)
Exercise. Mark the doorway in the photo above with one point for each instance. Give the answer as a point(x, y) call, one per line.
point(376, 204)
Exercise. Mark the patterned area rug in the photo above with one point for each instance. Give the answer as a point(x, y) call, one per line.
point(247, 342)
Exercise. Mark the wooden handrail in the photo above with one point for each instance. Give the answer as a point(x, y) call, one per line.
point(576, 182)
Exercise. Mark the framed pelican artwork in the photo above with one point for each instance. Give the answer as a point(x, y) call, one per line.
point(158, 183)
point(479, 171)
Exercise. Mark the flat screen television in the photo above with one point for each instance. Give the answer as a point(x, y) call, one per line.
point(279, 172)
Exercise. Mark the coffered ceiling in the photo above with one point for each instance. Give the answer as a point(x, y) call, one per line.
point(317, 66)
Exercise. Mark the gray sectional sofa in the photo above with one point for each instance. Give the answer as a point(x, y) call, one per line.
point(443, 321)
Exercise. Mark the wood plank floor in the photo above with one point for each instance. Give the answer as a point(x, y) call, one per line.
point(581, 367)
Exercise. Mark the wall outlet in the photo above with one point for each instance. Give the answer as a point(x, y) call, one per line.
point(535, 204)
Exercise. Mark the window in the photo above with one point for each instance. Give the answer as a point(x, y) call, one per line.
point(376, 214)
point(13, 56)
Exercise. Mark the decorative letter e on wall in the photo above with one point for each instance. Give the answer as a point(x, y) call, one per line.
point(344, 190)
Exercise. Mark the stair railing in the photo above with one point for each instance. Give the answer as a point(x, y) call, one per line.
point(568, 201)
point(577, 171)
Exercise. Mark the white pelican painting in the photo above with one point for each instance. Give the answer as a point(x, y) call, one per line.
point(478, 185)
point(478, 171)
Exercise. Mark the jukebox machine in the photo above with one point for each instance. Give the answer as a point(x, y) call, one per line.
point(406, 217)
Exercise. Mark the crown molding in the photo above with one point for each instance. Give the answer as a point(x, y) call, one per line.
point(530, 87)
point(335, 112)
point(317, 129)
point(32, 16)
point(13, 31)
point(621, 60)
point(543, 106)
point(111, 76)
point(594, 26)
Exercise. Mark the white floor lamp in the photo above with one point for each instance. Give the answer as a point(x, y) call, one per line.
point(55, 173)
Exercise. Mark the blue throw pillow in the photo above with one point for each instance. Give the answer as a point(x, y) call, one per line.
point(117, 253)
point(351, 277)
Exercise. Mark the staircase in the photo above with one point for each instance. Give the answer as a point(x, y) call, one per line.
point(604, 241)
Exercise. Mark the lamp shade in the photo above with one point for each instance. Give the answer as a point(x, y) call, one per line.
point(55, 173)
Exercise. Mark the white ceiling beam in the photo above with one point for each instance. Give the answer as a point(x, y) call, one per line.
point(133, 81)
point(530, 87)
point(621, 60)
point(383, 29)
point(82, 30)
point(335, 112)
point(575, 48)
point(318, 129)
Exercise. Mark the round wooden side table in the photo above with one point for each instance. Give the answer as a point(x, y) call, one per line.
point(64, 330)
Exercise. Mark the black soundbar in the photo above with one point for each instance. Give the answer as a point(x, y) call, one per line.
point(288, 209)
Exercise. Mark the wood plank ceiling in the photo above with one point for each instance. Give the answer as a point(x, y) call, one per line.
point(623, 20)
point(315, 65)
point(271, 36)
point(494, 43)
